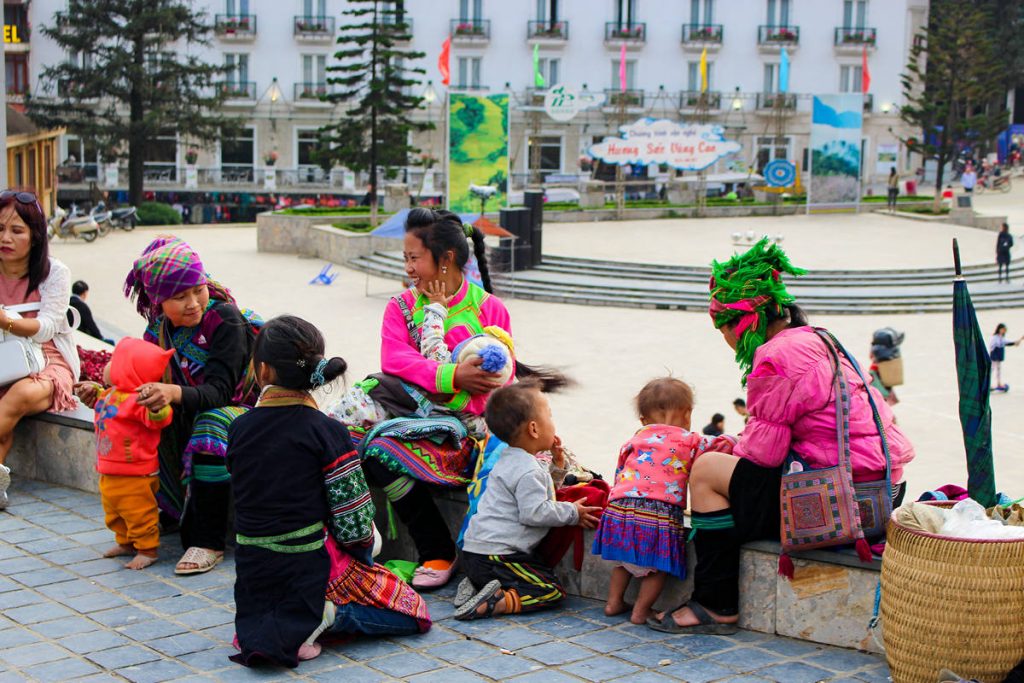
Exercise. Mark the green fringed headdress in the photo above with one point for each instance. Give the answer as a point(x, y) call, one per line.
point(744, 288)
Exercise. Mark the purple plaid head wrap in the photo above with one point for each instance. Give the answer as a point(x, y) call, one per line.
point(165, 268)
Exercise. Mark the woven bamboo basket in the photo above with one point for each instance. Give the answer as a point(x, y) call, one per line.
point(951, 603)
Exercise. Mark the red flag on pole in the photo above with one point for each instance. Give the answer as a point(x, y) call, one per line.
point(443, 60)
point(865, 78)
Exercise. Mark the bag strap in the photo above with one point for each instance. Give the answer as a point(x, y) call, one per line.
point(874, 408)
point(25, 308)
point(414, 331)
point(842, 409)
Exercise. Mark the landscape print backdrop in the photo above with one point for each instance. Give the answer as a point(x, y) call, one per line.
point(477, 150)
point(835, 149)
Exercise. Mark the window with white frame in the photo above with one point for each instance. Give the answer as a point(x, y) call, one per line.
point(702, 12)
point(778, 13)
point(549, 69)
point(237, 68)
point(238, 156)
point(854, 13)
point(83, 154)
point(237, 7)
point(625, 12)
point(547, 10)
point(630, 75)
point(314, 8)
point(470, 10)
point(693, 69)
point(850, 78)
point(468, 72)
point(771, 147)
point(314, 70)
point(545, 154)
point(161, 156)
point(771, 72)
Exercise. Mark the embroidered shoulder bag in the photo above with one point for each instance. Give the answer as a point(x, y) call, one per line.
point(824, 507)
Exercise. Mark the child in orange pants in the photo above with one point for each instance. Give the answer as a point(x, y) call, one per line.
point(127, 436)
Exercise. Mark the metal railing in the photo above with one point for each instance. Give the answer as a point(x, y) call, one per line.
point(635, 32)
point(631, 98)
point(550, 30)
point(855, 36)
point(313, 27)
point(471, 29)
point(235, 24)
point(312, 91)
point(771, 100)
point(778, 35)
point(703, 33)
point(239, 90)
point(690, 99)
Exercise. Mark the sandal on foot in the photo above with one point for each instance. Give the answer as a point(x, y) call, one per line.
point(204, 560)
point(464, 592)
point(706, 624)
point(489, 595)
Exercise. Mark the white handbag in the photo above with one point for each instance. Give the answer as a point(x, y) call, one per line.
point(19, 357)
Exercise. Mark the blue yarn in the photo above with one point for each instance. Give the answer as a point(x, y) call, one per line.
point(494, 357)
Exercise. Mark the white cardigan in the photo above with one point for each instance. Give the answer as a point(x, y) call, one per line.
point(55, 296)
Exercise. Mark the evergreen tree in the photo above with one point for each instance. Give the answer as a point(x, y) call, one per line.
point(130, 77)
point(373, 80)
point(948, 85)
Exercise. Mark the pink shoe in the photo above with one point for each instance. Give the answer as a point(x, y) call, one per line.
point(430, 578)
point(308, 651)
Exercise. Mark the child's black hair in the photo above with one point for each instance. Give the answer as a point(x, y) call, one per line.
point(441, 231)
point(294, 348)
point(740, 403)
point(79, 288)
point(716, 418)
point(1000, 326)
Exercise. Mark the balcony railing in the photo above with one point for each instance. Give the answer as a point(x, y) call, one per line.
point(629, 98)
point(690, 99)
point(471, 29)
point(311, 91)
point(630, 33)
point(855, 36)
point(703, 33)
point(773, 100)
point(472, 87)
point(239, 90)
point(869, 103)
point(235, 25)
point(778, 35)
point(547, 30)
point(314, 27)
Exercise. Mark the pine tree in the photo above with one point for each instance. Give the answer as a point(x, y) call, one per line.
point(373, 80)
point(948, 85)
point(130, 76)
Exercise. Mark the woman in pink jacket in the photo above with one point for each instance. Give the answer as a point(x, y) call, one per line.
point(436, 250)
point(789, 376)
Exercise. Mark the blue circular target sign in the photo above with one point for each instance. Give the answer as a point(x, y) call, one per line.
point(780, 173)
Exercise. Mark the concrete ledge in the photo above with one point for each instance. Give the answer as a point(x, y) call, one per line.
point(58, 448)
point(315, 237)
point(830, 599)
point(637, 214)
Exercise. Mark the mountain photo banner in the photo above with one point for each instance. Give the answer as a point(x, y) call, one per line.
point(477, 152)
point(836, 123)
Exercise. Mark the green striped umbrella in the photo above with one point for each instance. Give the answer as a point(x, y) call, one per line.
point(973, 374)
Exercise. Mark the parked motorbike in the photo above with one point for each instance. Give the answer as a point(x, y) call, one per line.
point(62, 224)
point(125, 218)
point(100, 214)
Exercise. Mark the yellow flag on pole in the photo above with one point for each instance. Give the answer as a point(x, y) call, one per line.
point(704, 70)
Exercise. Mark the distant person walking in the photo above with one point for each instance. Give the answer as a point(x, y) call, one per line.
point(1004, 242)
point(894, 188)
point(79, 293)
point(997, 352)
point(969, 179)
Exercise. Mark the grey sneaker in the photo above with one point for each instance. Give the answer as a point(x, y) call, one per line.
point(464, 592)
point(5, 481)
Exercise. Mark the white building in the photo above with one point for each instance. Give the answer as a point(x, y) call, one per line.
point(579, 42)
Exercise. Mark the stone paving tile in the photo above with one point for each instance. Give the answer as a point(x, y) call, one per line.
point(153, 626)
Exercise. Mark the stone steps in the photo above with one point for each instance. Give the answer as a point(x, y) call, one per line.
point(601, 283)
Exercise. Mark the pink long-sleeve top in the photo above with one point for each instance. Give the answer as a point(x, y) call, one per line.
point(469, 312)
point(792, 407)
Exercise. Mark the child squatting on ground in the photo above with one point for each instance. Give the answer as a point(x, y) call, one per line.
point(127, 436)
point(516, 511)
point(642, 529)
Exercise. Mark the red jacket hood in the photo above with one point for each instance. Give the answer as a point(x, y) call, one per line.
point(136, 362)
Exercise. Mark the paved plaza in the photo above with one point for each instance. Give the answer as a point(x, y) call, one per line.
point(68, 614)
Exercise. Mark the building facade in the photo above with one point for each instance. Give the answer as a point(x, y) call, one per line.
point(278, 53)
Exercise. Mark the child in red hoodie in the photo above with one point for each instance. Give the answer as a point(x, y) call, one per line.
point(127, 436)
